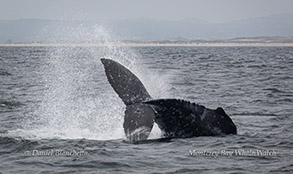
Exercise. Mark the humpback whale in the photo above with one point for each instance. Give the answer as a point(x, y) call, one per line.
point(175, 117)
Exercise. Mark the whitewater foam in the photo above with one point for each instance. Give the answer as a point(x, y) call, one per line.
point(77, 101)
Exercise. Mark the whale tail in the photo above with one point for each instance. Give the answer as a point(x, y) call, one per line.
point(129, 88)
point(176, 118)
point(139, 117)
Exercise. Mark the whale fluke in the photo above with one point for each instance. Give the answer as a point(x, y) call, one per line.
point(138, 121)
point(125, 83)
point(139, 117)
point(180, 118)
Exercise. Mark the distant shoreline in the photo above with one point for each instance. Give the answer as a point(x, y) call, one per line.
point(226, 44)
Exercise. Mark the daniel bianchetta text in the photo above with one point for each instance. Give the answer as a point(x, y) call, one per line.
point(230, 153)
point(55, 152)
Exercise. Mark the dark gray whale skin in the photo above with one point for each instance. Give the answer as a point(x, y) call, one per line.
point(180, 118)
point(139, 117)
point(125, 83)
point(176, 118)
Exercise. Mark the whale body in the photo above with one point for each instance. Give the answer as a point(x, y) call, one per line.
point(175, 117)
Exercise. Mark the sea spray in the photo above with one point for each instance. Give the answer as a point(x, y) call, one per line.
point(77, 100)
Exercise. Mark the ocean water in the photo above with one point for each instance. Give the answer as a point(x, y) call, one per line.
point(58, 113)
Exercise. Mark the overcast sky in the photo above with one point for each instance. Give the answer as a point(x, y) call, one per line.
point(209, 10)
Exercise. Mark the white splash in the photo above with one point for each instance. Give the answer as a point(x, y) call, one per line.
point(78, 101)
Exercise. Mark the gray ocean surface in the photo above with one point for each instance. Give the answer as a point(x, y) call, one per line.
point(58, 113)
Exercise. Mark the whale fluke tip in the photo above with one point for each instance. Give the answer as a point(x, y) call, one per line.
point(103, 60)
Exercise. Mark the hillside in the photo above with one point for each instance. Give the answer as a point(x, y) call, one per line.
point(188, 30)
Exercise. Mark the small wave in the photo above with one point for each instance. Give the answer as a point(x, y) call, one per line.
point(274, 90)
point(10, 104)
point(285, 100)
point(257, 66)
point(4, 73)
point(7, 140)
point(253, 114)
point(285, 143)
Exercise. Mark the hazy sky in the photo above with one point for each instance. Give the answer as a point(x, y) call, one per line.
point(210, 10)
